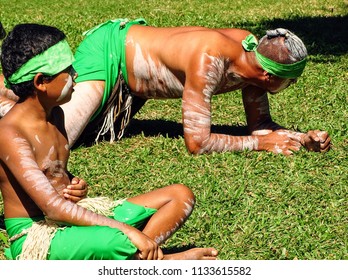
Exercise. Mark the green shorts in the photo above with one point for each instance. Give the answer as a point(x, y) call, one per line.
point(86, 242)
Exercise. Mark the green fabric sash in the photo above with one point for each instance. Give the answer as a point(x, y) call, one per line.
point(102, 54)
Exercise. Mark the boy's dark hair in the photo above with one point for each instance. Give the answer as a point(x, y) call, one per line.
point(23, 43)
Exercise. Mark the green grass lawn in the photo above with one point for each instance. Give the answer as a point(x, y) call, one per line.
point(250, 205)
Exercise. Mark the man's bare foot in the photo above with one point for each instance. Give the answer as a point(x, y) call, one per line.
point(194, 254)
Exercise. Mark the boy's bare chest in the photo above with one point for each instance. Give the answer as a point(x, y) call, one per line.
point(51, 153)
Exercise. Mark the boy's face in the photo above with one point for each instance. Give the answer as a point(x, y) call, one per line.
point(61, 86)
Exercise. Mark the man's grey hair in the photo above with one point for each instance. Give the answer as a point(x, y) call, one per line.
point(272, 43)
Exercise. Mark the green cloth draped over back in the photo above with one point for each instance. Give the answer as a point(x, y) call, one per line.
point(102, 55)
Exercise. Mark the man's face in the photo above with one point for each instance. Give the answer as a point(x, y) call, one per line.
point(278, 84)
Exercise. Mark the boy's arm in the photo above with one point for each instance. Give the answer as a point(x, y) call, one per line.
point(21, 162)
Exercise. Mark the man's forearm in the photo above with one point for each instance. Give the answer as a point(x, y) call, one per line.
point(222, 143)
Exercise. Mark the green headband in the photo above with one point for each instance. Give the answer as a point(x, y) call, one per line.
point(286, 71)
point(52, 61)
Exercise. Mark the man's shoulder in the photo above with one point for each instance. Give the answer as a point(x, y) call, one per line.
point(235, 34)
point(221, 42)
point(223, 37)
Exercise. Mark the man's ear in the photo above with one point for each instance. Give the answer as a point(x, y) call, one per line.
point(39, 83)
point(267, 76)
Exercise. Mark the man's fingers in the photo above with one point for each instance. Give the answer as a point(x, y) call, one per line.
point(160, 254)
point(287, 153)
point(324, 147)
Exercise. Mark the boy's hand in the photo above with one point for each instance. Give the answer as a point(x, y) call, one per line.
point(148, 249)
point(77, 190)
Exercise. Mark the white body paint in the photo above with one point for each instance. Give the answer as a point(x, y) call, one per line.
point(55, 168)
point(37, 139)
point(189, 207)
point(32, 172)
point(262, 132)
point(66, 89)
point(154, 79)
point(187, 210)
point(5, 106)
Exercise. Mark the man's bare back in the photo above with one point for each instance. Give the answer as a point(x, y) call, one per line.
point(158, 67)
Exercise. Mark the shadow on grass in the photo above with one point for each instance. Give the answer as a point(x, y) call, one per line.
point(321, 35)
point(171, 129)
point(174, 250)
point(165, 128)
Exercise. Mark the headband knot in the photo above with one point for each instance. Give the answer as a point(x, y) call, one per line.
point(250, 43)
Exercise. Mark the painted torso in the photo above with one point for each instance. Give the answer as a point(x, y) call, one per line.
point(41, 155)
point(157, 68)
